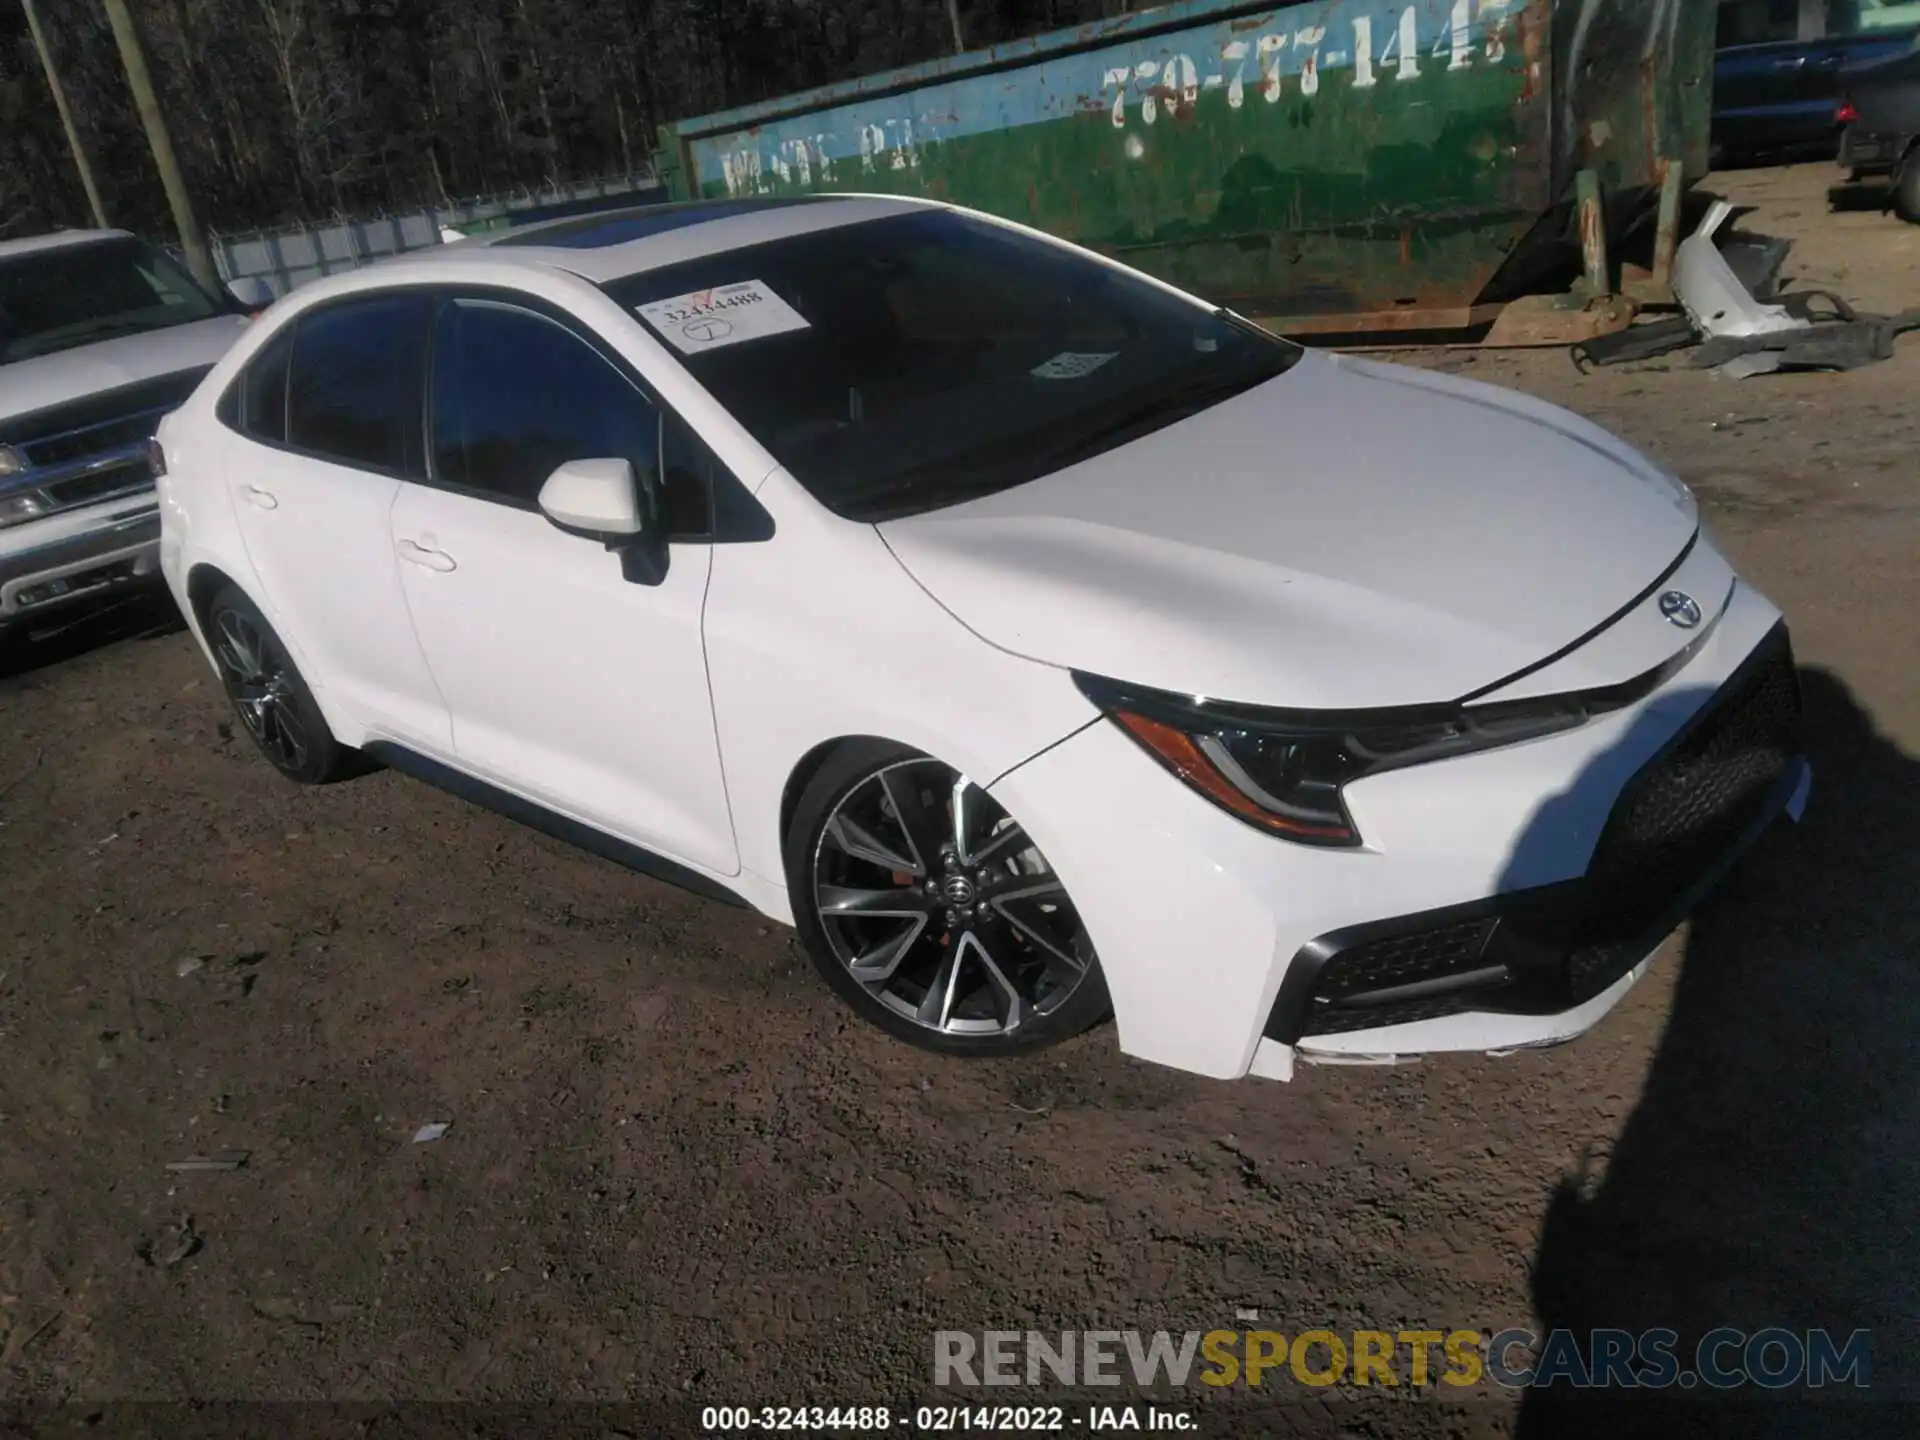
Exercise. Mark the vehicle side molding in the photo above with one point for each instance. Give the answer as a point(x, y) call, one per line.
point(539, 817)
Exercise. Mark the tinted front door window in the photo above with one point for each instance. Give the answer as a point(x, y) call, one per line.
point(515, 396)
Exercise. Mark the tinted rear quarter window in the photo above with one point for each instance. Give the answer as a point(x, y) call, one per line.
point(263, 391)
point(354, 392)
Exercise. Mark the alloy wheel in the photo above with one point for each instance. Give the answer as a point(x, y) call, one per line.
point(939, 905)
point(261, 689)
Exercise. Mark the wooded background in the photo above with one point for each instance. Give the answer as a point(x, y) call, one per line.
point(298, 110)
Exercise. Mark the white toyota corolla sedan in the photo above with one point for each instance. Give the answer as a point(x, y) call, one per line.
point(1042, 642)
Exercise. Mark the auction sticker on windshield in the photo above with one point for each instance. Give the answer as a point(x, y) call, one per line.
point(1071, 365)
point(724, 315)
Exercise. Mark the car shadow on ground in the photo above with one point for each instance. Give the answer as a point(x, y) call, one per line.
point(1857, 195)
point(138, 615)
point(1770, 1173)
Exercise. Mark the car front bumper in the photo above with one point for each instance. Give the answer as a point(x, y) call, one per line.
point(1500, 900)
point(77, 554)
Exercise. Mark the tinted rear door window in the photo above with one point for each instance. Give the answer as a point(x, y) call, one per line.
point(355, 391)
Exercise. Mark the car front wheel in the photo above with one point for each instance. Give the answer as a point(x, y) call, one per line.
point(932, 912)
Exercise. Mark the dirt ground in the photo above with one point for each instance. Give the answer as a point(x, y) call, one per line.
point(676, 1168)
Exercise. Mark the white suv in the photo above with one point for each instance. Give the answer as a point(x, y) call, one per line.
point(1036, 638)
point(100, 335)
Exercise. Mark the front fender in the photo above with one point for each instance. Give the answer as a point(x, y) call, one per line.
point(819, 633)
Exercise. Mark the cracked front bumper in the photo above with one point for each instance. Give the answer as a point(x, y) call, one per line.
point(1503, 899)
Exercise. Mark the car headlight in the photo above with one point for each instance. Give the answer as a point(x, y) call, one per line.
point(12, 462)
point(1284, 771)
point(20, 508)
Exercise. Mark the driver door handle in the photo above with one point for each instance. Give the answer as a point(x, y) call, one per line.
point(262, 498)
point(423, 555)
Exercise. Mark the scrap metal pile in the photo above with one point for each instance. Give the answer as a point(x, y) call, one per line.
point(1736, 319)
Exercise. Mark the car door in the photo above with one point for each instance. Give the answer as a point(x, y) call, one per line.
point(332, 408)
point(567, 683)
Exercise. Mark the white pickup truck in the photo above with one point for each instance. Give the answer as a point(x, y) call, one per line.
point(101, 334)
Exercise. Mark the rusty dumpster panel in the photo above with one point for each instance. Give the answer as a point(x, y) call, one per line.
point(1333, 159)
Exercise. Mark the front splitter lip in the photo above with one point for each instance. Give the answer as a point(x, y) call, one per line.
point(1471, 1031)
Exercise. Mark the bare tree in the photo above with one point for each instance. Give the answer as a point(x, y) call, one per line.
point(317, 95)
point(81, 161)
point(286, 109)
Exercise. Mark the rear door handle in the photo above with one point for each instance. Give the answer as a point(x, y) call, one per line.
point(262, 498)
point(423, 555)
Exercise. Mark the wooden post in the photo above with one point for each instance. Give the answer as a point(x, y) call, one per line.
point(953, 17)
point(81, 161)
point(1593, 234)
point(1666, 234)
point(133, 56)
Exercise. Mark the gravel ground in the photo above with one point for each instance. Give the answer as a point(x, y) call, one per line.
point(676, 1168)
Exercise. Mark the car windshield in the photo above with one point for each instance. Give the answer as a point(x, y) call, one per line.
point(95, 290)
point(901, 365)
point(1868, 16)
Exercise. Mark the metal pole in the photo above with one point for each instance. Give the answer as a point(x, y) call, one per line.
point(80, 160)
point(953, 16)
point(133, 55)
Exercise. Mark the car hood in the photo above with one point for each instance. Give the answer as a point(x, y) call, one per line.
point(44, 381)
point(1348, 535)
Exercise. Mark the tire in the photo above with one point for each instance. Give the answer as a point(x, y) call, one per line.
point(1906, 188)
point(269, 697)
point(976, 951)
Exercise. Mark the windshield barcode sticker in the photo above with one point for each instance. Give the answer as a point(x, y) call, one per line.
point(724, 315)
point(1071, 365)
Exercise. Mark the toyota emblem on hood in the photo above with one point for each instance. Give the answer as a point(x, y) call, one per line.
point(1680, 609)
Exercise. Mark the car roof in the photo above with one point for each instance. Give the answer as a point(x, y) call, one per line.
point(60, 239)
point(617, 243)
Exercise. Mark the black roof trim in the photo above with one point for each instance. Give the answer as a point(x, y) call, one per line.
point(618, 227)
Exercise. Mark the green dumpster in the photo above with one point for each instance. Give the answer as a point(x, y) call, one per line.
point(1346, 165)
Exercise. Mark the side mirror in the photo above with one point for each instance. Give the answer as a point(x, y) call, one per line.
point(250, 293)
point(605, 500)
point(594, 497)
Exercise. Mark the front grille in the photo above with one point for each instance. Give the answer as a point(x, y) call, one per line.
point(99, 485)
point(94, 440)
point(1676, 823)
point(1678, 818)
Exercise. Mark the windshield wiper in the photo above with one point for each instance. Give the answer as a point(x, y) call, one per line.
point(1200, 393)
